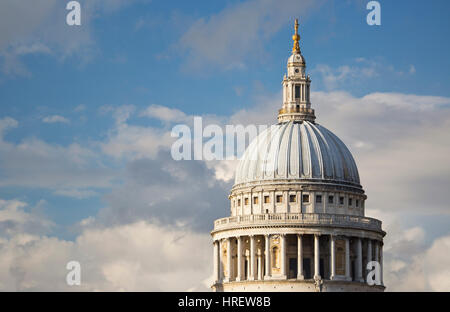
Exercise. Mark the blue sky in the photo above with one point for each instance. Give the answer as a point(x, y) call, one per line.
point(190, 57)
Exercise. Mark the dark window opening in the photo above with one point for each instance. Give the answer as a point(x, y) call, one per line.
point(297, 91)
point(279, 198)
point(322, 267)
point(307, 268)
point(330, 199)
point(292, 268)
point(306, 198)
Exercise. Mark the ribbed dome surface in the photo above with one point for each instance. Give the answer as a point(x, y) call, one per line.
point(297, 150)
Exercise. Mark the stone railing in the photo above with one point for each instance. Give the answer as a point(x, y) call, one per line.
point(307, 219)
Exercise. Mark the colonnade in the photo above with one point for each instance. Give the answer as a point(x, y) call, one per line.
point(258, 264)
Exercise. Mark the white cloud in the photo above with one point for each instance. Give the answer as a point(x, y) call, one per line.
point(158, 189)
point(75, 193)
point(237, 34)
point(7, 123)
point(426, 269)
point(165, 113)
point(358, 71)
point(143, 256)
point(126, 140)
point(79, 108)
point(133, 257)
point(14, 220)
point(41, 28)
point(129, 141)
point(398, 141)
point(55, 119)
point(31, 49)
point(37, 164)
point(335, 77)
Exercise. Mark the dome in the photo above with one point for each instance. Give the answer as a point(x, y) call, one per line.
point(296, 58)
point(299, 150)
point(297, 205)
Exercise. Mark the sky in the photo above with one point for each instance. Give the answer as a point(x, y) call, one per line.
point(86, 114)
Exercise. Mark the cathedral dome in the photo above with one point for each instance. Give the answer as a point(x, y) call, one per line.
point(297, 150)
point(297, 210)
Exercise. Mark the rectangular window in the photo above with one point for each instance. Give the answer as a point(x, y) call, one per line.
point(297, 91)
point(266, 199)
point(341, 200)
point(306, 198)
point(246, 201)
point(319, 199)
point(279, 198)
point(292, 198)
point(350, 201)
point(331, 199)
point(239, 202)
point(357, 203)
point(255, 200)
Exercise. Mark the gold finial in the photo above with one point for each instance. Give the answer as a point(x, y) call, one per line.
point(296, 38)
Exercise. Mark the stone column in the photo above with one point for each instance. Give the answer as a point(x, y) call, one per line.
point(316, 256)
point(333, 257)
point(303, 92)
point(381, 263)
point(229, 269)
point(259, 265)
point(283, 256)
point(267, 253)
point(377, 251)
point(359, 277)
point(252, 258)
point(248, 266)
point(300, 257)
point(347, 259)
point(369, 250)
point(239, 258)
point(216, 262)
